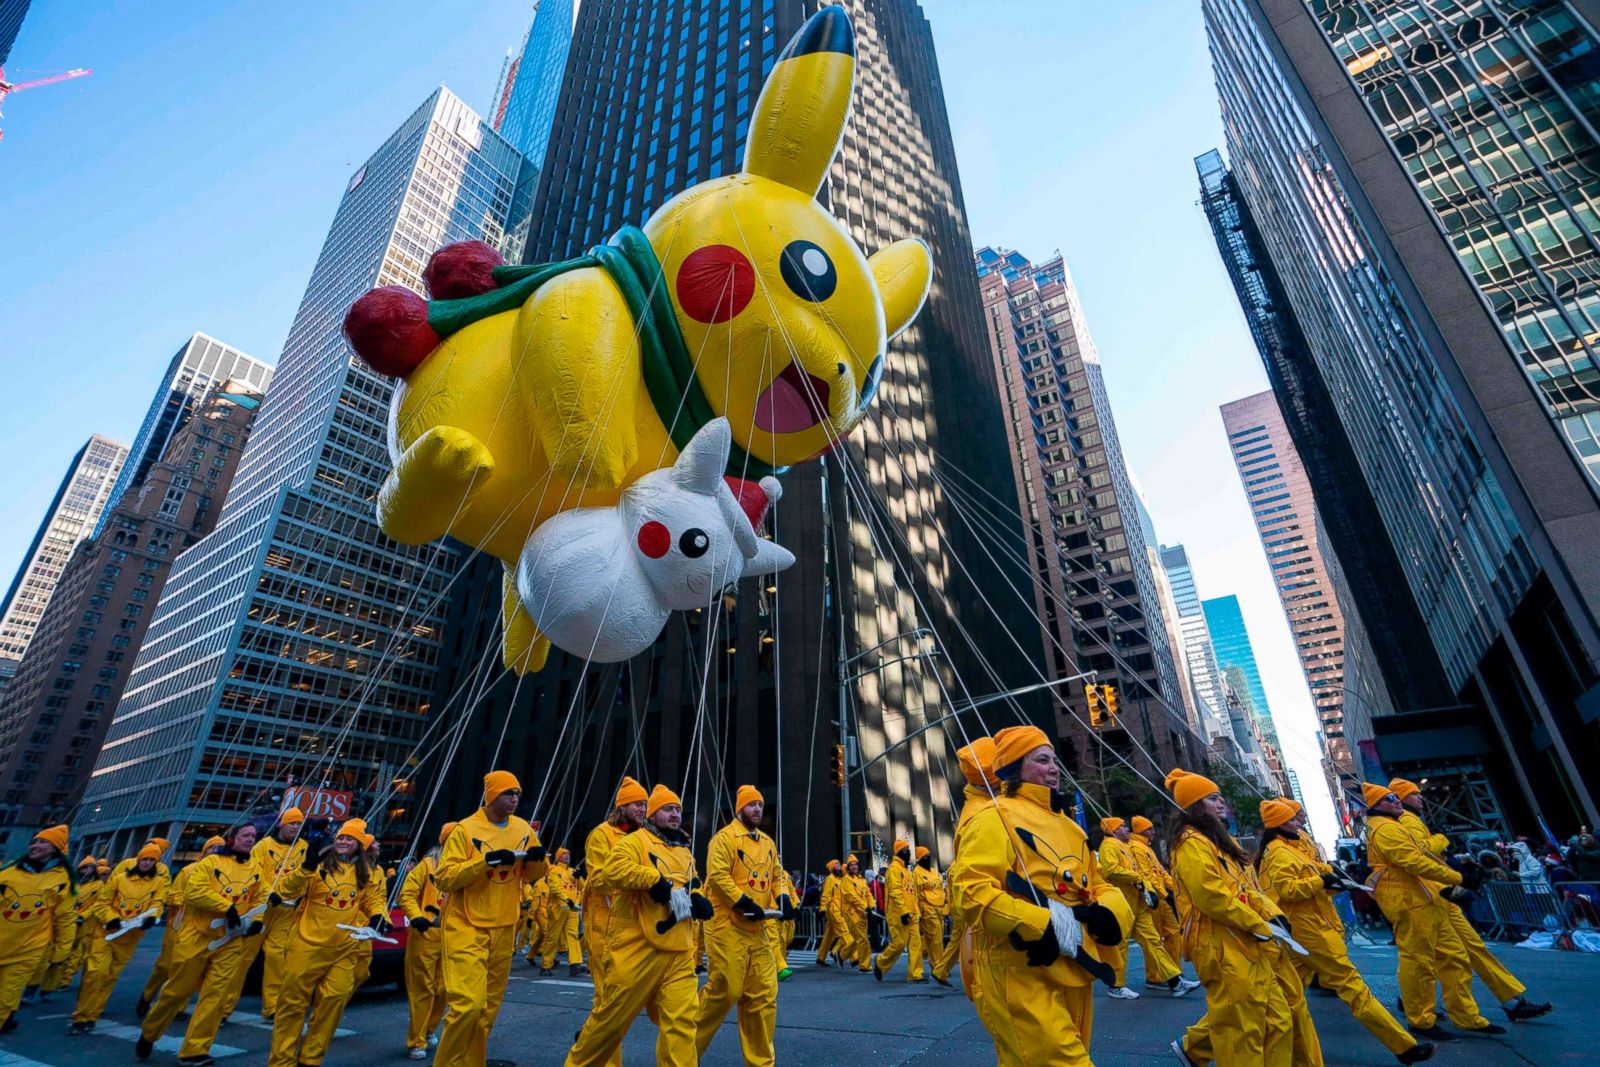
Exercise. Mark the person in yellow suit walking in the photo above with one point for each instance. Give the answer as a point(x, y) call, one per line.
point(222, 886)
point(561, 918)
point(1300, 886)
point(422, 904)
point(781, 931)
point(279, 853)
point(536, 895)
point(1024, 879)
point(58, 974)
point(652, 941)
point(982, 787)
point(36, 898)
point(482, 867)
point(626, 816)
point(1165, 914)
point(1119, 864)
point(855, 899)
point(130, 895)
point(829, 914)
point(932, 906)
point(1504, 985)
point(901, 912)
point(335, 887)
point(742, 864)
point(173, 923)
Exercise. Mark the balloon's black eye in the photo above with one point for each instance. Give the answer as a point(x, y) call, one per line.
point(808, 271)
point(694, 543)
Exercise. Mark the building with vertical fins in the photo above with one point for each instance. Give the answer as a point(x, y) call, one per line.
point(296, 642)
point(658, 97)
point(1418, 180)
point(71, 517)
point(199, 366)
point(1094, 589)
point(55, 715)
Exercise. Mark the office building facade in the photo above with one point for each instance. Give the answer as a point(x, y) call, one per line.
point(71, 517)
point(1435, 302)
point(199, 366)
point(1231, 643)
point(54, 716)
point(1094, 590)
point(658, 97)
point(533, 86)
point(296, 642)
point(1195, 638)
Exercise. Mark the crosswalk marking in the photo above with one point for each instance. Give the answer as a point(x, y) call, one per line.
point(164, 1044)
point(256, 1023)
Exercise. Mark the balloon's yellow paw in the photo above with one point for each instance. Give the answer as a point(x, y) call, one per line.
point(431, 483)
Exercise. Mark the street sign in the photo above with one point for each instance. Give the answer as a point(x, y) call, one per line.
point(317, 803)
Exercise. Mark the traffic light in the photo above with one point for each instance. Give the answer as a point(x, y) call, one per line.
point(1096, 717)
point(837, 762)
point(1109, 697)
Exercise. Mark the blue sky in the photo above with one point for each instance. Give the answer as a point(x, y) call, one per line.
point(188, 183)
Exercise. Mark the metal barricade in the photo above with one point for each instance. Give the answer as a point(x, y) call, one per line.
point(1517, 909)
point(1580, 903)
point(808, 926)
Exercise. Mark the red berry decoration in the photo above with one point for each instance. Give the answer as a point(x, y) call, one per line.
point(465, 268)
point(388, 328)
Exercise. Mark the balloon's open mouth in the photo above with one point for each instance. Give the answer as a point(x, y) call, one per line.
point(795, 401)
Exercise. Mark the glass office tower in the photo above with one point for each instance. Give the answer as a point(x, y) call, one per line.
point(296, 641)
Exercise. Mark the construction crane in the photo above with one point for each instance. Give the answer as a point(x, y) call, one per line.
point(7, 88)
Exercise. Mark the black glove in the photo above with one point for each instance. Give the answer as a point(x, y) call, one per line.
point(77, 920)
point(700, 908)
point(661, 892)
point(379, 923)
point(421, 925)
point(1099, 921)
point(430, 907)
point(535, 854)
point(1331, 881)
point(232, 917)
point(1471, 875)
point(748, 908)
point(1281, 923)
point(1460, 896)
point(1172, 901)
point(255, 927)
point(905, 918)
point(274, 900)
point(500, 857)
point(113, 925)
point(1040, 953)
point(309, 861)
point(149, 921)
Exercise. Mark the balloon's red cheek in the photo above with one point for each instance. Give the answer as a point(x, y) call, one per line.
point(715, 283)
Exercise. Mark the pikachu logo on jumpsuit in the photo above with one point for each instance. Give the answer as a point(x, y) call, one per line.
point(235, 889)
point(338, 896)
point(757, 875)
point(501, 874)
point(20, 907)
point(1069, 874)
point(525, 391)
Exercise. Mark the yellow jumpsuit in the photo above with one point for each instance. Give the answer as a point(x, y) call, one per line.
point(480, 929)
point(420, 899)
point(932, 906)
point(86, 930)
point(779, 932)
point(561, 917)
point(1248, 1018)
point(320, 961)
point(1120, 866)
point(1501, 982)
point(596, 902)
point(214, 884)
point(1405, 877)
point(975, 799)
point(833, 935)
point(652, 967)
point(1294, 883)
point(35, 925)
point(1036, 1015)
point(855, 898)
point(169, 935)
point(537, 895)
point(903, 916)
point(1157, 878)
point(127, 894)
point(276, 860)
point(740, 862)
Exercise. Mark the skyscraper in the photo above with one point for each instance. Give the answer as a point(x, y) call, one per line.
point(296, 640)
point(71, 517)
point(1231, 642)
point(55, 715)
point(12, 12)
point(200, 365)
point(1287, 519)
point(1418, 179)
point(1201, 658)
point(535, 86)
point(658, 98)
point(1094, 589)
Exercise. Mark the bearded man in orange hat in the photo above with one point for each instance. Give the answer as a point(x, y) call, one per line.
point(627, 815)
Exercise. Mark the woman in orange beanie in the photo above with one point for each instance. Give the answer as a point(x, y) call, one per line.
point(36, 894)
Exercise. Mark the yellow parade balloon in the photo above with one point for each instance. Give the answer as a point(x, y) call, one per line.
point(526, 392)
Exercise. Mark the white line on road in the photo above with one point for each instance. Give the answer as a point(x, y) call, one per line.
point(256, 1023)
point(554, 981)
point(164, 1044)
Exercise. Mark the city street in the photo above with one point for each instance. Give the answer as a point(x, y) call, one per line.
point(825, 1017)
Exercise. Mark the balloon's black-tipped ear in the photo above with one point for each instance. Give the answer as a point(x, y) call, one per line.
point(799, 120)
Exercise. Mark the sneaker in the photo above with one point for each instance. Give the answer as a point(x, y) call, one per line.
point(822, 961)
point(417, 1054)
point(1487, 1030)
point(785, 974)
point(77, 1029)
point(1184, 985)
point(1434, 1033)
point(945, 981)
point(1122, 992)
point(142, 1048)
point(576, 969)
point(433, 1039)
point(1422, 1050)
point(545, 972)
point(1522, 1009)
point(875, 972)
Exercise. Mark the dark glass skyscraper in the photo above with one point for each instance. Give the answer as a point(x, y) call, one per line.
point(1416, 176)
point(659, 97)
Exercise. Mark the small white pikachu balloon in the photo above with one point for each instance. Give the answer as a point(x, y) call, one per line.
point(601, 582)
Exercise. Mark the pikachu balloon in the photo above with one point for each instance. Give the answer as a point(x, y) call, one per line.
point(528, 391)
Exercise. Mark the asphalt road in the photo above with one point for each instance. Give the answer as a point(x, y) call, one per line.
point(825, 1017)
